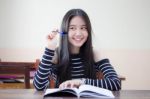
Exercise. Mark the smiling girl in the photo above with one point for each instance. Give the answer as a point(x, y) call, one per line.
point(74, 62)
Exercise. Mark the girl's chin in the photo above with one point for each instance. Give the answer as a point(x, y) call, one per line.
point(77, 44)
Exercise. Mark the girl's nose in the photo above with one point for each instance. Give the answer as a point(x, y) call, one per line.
point(78, 32)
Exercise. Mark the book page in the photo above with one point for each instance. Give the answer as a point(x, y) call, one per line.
point(93, 91)
point(62, 92)
point(51, 91)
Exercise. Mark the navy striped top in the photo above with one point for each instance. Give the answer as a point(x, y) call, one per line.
point(46, 69)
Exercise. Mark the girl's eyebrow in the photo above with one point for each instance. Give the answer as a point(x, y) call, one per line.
point(84, 25)
point(75, 25)
point(72, 25)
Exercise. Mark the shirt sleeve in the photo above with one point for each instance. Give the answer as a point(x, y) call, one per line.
point(110, 79)
point(46, 69)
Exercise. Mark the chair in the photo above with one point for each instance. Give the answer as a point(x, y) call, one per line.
point(17, 70)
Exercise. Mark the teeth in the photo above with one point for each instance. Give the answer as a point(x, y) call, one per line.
point(78, 39)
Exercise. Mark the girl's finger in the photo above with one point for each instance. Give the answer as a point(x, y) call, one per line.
point(49, 36)
point(55, 31)
point(61, 86)
point(72, 85)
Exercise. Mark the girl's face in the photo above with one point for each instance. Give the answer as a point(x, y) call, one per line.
point(77, 33)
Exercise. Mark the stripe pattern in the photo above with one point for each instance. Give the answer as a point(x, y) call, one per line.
point(47, 68)
point(110, 81)
point(77, 70)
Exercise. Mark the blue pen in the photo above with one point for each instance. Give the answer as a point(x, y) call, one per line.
point(62, 33)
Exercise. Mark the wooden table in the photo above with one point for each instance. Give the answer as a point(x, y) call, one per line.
point(16, 69)
point(33, 94)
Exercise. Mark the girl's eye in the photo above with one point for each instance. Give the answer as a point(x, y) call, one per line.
point(84, 28)
point(72, 28)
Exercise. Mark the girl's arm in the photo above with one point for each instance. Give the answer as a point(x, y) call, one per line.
point(110, 78)
point(46, 66)
point(46, 69)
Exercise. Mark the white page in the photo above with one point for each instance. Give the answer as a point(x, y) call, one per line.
point(76, 91)
point(51, 91)
point(101, 91)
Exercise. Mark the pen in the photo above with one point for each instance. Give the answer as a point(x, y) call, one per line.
point(62, 33)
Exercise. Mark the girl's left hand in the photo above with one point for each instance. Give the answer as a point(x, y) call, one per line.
point(71, 83)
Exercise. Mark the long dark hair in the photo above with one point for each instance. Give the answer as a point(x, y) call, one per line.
point(64, 71)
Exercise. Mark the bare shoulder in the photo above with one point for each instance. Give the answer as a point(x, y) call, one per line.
point(98, 54)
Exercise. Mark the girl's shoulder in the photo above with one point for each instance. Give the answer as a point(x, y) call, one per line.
point(99, 54)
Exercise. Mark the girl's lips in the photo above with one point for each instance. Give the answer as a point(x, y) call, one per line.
point(78, 39)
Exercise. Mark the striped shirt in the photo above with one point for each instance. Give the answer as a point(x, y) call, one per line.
point(46, 69)
point(77, 68)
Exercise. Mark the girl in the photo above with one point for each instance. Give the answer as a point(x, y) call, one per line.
point(74, 62)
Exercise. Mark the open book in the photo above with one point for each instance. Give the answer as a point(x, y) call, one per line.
point(82, 91)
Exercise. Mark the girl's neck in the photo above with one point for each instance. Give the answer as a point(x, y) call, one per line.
point(75, 50)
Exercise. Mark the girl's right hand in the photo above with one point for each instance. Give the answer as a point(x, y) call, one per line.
point(52, 39)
